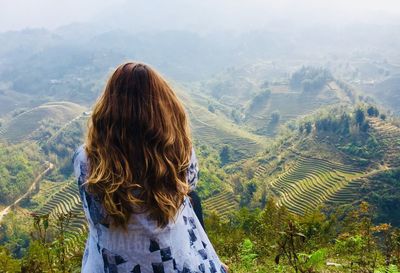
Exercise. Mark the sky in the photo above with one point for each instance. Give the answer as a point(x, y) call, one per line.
point(197, 14)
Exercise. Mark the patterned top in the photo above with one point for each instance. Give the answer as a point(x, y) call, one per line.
point(181, 247)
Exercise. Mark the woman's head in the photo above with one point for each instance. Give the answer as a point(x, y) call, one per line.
point(138, 146)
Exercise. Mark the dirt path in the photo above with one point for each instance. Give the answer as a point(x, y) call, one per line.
point(31, 188)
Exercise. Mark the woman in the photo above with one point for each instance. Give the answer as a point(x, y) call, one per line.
point(135, 172)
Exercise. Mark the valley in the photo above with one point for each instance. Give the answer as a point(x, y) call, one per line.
point(301, 172)
point(285, 146)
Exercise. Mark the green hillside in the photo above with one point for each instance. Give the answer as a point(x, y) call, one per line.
point(328, 165)
point(288, 149)
point(25, 125)
point(294, 115)
point(215, 129)
point(332, 159)
point(249, 98)
point(310, 182)
point(224, 204)
point(19, 165)
point(65, 201)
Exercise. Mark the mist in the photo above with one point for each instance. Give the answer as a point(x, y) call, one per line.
point(189, 40)
point(195, 15)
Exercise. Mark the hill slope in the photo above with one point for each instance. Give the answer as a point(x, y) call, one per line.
point(323, 167)
point(25, 125)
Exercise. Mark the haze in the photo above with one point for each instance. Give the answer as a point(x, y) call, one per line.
point(200, 15)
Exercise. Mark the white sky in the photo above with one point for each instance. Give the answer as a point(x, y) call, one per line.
point(19, 14)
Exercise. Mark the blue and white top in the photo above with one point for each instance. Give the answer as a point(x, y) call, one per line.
point(181, 247)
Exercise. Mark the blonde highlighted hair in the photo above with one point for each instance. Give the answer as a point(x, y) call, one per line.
point(138, 146)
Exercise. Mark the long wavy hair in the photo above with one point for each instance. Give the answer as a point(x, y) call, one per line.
point(138, 146)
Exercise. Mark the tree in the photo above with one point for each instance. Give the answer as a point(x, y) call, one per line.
point(310, 78)
point(225, 155)
point(275, 117)
point(308, 127)
point(345, 124)
point(7, 262)
point(372, 111)
point(292, 247)
point(359, 116)
point(247, 255)
point(247, 195)
point(259, 100)
point(364, 127)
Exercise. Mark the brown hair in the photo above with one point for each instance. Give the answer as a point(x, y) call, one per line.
point(138, 146)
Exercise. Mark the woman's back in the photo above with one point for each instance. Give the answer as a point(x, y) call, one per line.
point(181, 246)
point(134, 178)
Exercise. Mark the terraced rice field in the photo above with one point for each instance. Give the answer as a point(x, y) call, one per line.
point(213, 130)
point(223, 204)
point(289, 105)
point(311, 182)
point(22, 126)
point(347, 193)
point(389, 135)
point(66, 200)
point(261, 169)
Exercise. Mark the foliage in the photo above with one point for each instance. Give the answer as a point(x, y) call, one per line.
point(310, 79)
point(259, 100)
point(61, 146)
point(390, 269)
point(382, 192)
point(211, 176)
point(317, 242)
point(18, 168)
point(247, 195)
point(225, 155)
point(7, 262)
point(372, 111)
point(275, 117)
point(350, 132)
point(247, 255)
point(48, 250)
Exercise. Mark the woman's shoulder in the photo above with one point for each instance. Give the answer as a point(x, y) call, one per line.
point(79, 160)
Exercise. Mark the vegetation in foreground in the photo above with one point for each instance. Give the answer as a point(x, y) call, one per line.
point(267, 240)
point(273, 240)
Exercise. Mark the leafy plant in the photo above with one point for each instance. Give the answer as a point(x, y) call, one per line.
point(247, 255)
